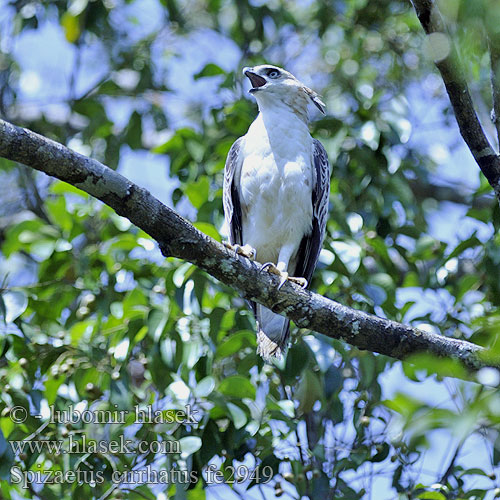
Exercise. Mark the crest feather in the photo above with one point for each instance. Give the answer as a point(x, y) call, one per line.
point(315, 99)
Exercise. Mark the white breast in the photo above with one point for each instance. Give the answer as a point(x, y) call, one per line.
point(276, 185)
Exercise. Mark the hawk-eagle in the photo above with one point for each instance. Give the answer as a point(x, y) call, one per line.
point(276, 190)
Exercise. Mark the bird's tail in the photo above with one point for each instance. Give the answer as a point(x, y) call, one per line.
point(272, 333)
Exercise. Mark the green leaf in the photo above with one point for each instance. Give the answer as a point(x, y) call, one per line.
point(60, 187)
point(174, 144)
point(133, 132)
point(432, 495)
point(474, 471)
point(476, 494)
point(382, 453)
point(238, 416)
point(445, 367)
point(496, 451)
point(309, 391)
point(3, 444)
point(196, 149)
point(466, 284)
point(367, 368)
point(15, 303)
point(237, 386)
point(157, 319)
point(51, 387)
point(15, 237)
point(333, 381)
point(321, 486)
point(209, 229)
point(349, 253)
point(297, 359)
point(142, 492)
point(481, 214)
point(236, 343)
point(189, 445)
point(464, 245)
point(6, 461)
point(261, 475)
point(59, 213)
point(204, 387)
point(376, 293)
point(404, 404)
point(3, 310)
point(78, 330)
point(287, 407)
point(411, 279)
point(197, 493)
point(43, 248)
point(209, 70)
point(71, 27)
point(197, 192)
point(426, 247)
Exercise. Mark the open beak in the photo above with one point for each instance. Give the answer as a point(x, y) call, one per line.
point(256, 80)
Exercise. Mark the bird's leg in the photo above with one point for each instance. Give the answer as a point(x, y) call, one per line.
point(284, 276)
point(281, 267)
point(273, 268)
point(302, 282)
point(245, 250)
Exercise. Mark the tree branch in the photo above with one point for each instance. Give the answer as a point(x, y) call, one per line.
point(494, 49)
point(179, 238)
point(455, 193)
point(460, 98)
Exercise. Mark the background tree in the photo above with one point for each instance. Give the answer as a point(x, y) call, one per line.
point(94, 315)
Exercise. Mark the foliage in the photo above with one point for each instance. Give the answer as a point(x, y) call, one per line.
point(100, 320)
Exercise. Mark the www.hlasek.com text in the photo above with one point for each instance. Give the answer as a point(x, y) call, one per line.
point(81, 443)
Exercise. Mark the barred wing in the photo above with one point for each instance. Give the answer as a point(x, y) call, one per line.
point(311, 244)
point(231, 193)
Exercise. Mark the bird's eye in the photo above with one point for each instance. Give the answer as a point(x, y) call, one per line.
point(273, 73)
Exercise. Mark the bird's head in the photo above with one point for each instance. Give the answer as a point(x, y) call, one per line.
point(273, 86)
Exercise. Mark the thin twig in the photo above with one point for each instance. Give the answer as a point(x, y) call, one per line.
point(32, 197)
point(449, 470)
point(297, 437)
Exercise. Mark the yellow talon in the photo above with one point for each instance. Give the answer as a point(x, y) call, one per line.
point(284, 276)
